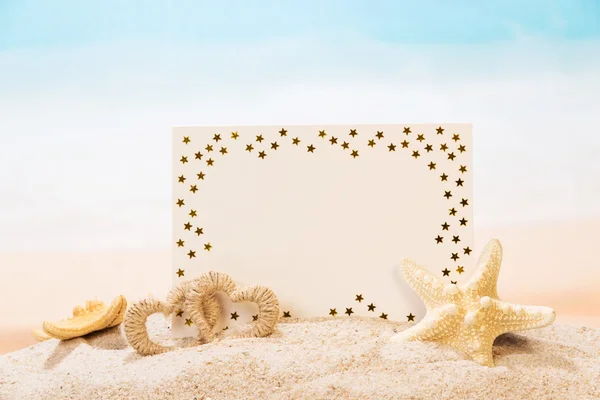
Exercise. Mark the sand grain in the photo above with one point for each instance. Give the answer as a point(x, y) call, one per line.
point(323, 358)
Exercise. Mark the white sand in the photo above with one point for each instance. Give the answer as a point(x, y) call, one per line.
point(326, 358)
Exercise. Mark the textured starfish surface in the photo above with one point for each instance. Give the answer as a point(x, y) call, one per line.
point(471, 316)
point(94, 317)
point(40, 335)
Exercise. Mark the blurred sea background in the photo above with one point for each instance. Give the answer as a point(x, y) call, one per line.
point(89, 92)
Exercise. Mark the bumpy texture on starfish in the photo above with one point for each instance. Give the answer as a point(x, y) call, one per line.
point(469, 317)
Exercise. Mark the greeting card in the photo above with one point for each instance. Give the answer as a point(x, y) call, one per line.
point(323, 215)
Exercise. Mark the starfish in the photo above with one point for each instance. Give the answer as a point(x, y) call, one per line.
point(471, 316)
point(95, 316)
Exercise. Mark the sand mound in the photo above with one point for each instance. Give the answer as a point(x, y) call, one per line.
point(337, 358)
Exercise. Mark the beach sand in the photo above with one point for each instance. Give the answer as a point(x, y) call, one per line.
point(552, 264)
point(323, 358)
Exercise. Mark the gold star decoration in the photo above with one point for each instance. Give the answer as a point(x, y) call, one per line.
point(463, 221)
point(180, 272)
point(456, 239)
point(410, 317)
point(464, 202)
point(208, 148)
point(234, 315)
point(454, 256)
point(455, 137)
point(179, 313)
point(235, 135)
point(191, 254)
point(187, 226)
point(198, 155)
point(439, 239)
point(445, 226)
point(186, 139)
point(193, 213)
point(440, 130)
point(199, 231)
point(470, 317)
point(188, 322)
point(262, 155)
point(210, 162)
point(200, 176)
point(447, 194)
point(467, 250)
point(354, 153)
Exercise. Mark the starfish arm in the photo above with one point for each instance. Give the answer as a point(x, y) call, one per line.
point(482, 353)
point(429, 288)
point(513, 317)
point(485, 278)
point(434, 327)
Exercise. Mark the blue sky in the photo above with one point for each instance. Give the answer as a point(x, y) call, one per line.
point(27, 23)
point(89, 92)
